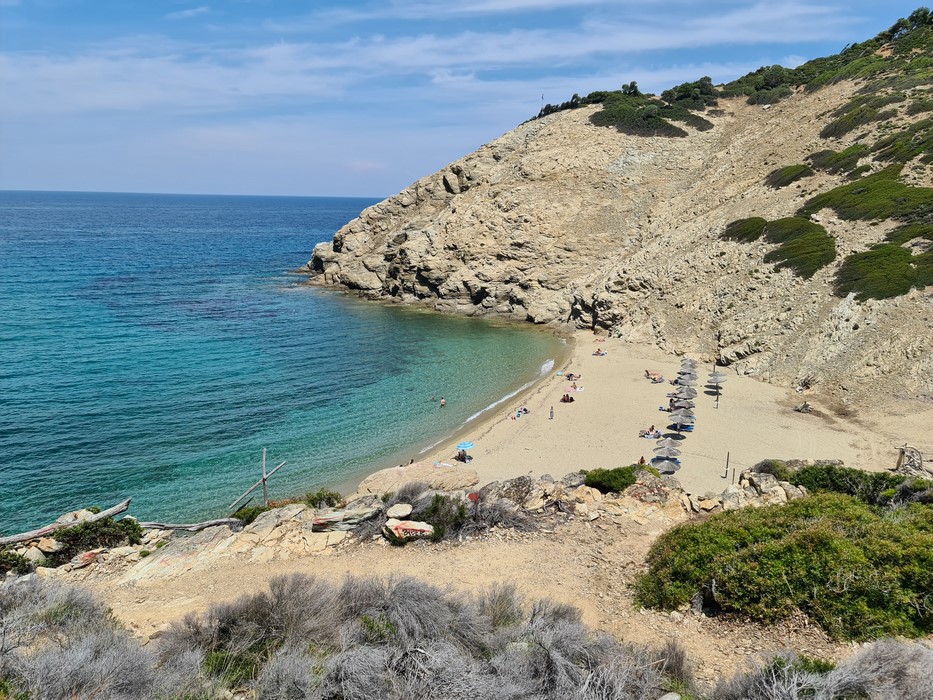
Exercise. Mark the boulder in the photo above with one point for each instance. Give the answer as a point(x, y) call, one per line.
point(399, 511)
point(85, 558)
point(34, 555)
point(342, 519)
point(762, 482)
point(407, 529)
point(439, 478)
point(49, 545)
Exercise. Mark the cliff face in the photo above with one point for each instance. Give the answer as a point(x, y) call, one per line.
point(560, 221)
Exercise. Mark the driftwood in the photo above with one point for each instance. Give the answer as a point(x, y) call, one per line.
point(49, 529)
point(192, 527)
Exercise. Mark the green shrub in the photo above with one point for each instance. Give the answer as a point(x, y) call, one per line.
point(838, 162)
point(235, 668)
point(920, 105)
point(803, 246)
point(875, 197)
point(611, 480)
point(782, 177)
point(638, 116)
point(878, 273)
point(906, 144)
point(873, 488)
point(91, 535)
point(11, 561)
point(323, 497)
point(447, 515)
point(745, 230)
point(249, 513)
point(776, 468)
point(857, 572)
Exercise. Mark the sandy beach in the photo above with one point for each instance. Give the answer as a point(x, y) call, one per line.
point(754, 420)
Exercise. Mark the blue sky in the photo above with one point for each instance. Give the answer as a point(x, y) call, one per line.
point(348, 98)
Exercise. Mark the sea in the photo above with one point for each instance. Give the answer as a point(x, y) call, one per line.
point(153, 345)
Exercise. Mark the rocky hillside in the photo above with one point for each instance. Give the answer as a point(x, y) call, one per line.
point(562, 221)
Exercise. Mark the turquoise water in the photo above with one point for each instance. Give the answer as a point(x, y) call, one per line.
point(152, 345)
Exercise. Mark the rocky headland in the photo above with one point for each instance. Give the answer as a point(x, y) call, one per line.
point(561, 221)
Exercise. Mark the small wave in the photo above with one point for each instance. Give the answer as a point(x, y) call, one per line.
point(546, 368)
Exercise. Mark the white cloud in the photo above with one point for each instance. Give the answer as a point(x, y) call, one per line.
point(186, 14)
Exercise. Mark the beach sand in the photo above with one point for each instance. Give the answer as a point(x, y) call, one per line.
point(754, 420)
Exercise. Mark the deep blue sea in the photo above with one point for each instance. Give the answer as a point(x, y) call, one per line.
point(152, 345)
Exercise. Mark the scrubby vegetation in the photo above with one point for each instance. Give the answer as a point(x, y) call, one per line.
point(875, 197)
point(885, 669)
point(59, 643)
point(309, 639)
point(100, 533)
point(322, 498)
point(803, 246)
point(612, 480)
point(782, 177)
point(875, 488)
point(838, 162)
point(856, 557)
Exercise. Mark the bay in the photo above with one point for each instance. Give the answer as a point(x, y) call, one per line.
point(152, 345)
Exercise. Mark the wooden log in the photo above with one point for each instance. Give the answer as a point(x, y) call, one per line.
point(192, 527)
point(49, 529)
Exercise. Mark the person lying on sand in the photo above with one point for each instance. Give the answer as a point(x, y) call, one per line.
point(600, 352)
point(566, 398)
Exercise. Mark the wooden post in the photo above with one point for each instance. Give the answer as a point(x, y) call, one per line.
point(733, 475)
point(265, 477)
point(261, 482)
point(726, 475)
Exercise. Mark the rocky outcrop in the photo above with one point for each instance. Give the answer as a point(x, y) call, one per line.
point(563, 222)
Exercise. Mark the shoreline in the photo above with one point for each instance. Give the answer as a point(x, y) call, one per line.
point(754, 420)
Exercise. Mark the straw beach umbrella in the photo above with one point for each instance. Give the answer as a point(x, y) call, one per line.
point(667, 442)
point(716, 379)
point(666, 466)
point(686, 392)
point(684, 403)
point(666, 452)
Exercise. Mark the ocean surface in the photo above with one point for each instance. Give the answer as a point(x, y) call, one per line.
point(152, 345)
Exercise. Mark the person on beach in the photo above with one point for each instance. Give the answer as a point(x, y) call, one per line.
point(443, 402)
point(552, 413)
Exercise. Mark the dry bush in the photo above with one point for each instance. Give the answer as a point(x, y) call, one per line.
point(59, 643)
point(673, 663)
point(887, 668)
point(288, 675)
point(407, 611)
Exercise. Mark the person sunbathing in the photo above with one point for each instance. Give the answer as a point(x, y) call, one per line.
point(566, 398)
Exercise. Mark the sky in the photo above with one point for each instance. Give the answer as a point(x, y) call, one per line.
point(348, 98)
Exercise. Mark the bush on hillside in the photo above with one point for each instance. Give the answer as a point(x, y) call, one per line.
point(782, 177)
point(11, 561)
point(859, 573)
point(323, 498)
point(875, 197)
point(92, 535)
point(60, 643)
point(838, 162)
point(612, 480)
